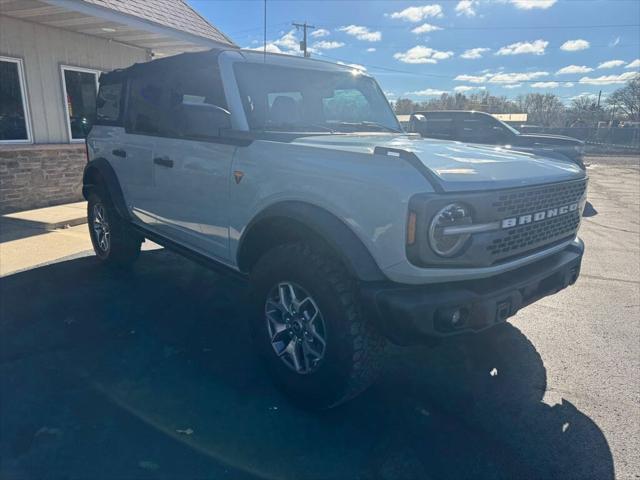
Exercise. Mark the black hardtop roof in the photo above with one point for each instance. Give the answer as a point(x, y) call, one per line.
point(452, 112)
point(181, 61)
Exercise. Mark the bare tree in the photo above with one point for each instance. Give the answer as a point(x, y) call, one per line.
point(544, 109)
point(584, 111)
point(627, 99)
point(405, 106)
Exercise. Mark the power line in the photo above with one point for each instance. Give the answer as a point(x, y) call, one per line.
point(503, 27)
point(446, 77)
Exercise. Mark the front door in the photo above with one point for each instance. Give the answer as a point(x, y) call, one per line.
point(190, 168)
point(192, 191)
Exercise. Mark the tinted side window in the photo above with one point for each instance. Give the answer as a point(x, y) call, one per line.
point(476, 129)
point(157, 100)
point(148, 105)
point(109, 104)
point(437, 127)
point(200, 86)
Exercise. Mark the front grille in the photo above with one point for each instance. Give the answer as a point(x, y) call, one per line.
point(537, 199)
point(511, 242)
point(533, 235)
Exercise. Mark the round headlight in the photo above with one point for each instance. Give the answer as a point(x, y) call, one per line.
point(442, 232)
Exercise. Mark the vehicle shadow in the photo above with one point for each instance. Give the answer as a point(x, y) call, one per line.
point(151, 374)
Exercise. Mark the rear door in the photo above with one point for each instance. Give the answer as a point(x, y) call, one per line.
point(144, 122)
point(129, 155)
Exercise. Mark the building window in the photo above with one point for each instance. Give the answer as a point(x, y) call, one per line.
point(80, 87)
point(14, 114)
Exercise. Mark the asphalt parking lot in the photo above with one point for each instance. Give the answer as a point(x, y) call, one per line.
point(151, 375)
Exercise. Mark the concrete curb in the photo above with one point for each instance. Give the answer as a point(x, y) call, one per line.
point(48, 218)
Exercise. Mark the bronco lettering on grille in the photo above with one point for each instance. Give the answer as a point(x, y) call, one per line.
point(538, 216)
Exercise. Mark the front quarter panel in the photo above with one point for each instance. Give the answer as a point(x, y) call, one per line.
point(369, 193)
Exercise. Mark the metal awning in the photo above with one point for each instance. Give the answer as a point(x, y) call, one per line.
point(135, 23)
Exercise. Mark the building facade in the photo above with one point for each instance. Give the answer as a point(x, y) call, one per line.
point(51, 55)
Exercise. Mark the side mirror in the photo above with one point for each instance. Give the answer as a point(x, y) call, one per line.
point(201, 120)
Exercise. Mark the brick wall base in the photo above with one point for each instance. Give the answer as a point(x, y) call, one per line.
point(33, 176)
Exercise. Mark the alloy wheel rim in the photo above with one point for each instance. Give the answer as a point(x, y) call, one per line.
point(296, 327)
point(101, 227)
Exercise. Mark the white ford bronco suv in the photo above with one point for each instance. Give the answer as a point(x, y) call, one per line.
point(295, 174)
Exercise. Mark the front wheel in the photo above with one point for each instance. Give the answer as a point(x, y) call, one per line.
point(309, 328)
point(113, 240)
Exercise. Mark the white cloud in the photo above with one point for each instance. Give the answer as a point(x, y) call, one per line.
point(634, 64)
point(426, 28)
point(327, 45)
point(473, 78)
point(371, 49)
point(531, 4)
point(474, 53)
point(428, 92)
point(575, 45)
point(422, 54)
point(357, 66)
point(390, 94)
point(568, 84)
point(362, 33)
point(287, 43)
point(536, 47)
point(501, 78)
point(611, 64)
point(609, 79)
point(320, 32)
point(587, 94)
point(467, 7)
point(467, 88)
point(514, 85)
point(416, 14)
point(569, 69)
point(545, 85)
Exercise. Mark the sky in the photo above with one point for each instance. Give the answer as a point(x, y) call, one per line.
point(419, 50)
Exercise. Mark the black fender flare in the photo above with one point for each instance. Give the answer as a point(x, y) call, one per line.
point(101, 168)
point(335, 232)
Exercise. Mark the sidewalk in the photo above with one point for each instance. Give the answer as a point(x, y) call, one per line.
point(34, 237)
point(48, 218)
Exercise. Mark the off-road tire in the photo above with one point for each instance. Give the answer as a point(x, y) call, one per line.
point(353, 346)
point(123, 247)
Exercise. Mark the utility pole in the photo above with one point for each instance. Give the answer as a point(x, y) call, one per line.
point(303, 43)
point(599, 95)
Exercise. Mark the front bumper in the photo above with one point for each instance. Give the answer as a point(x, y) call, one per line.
point(410, 314)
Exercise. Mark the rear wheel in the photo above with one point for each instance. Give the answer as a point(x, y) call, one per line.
point(309, 328)
point(113, 240)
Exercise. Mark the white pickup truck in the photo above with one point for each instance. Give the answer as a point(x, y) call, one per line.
point(295, 174)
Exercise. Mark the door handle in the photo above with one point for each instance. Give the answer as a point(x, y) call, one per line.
point(163, 162)
point(119, 153)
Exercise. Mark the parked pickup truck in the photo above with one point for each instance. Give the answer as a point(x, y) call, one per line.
point(295, 175)
point(480, 127)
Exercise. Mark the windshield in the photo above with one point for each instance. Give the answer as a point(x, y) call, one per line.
point(293, 99)
point(509, 127)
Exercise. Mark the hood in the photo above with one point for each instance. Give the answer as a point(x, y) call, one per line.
point(560, 140)
point(457, 166)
